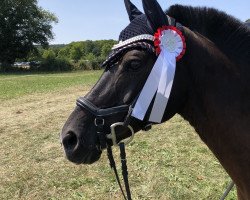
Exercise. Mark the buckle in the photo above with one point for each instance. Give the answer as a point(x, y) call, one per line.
point(112, 135)
point(99, 122)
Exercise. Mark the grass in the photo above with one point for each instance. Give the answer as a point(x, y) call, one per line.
point(13, 86)
point(169, 162)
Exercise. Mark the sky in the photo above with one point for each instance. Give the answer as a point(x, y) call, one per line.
point(81, 20)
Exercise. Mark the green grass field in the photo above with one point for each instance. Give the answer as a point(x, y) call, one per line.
point(13, 86)
point(169, 162)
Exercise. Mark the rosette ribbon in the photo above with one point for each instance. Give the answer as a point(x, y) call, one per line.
point(170, 45)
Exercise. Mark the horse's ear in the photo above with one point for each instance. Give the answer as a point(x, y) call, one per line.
point(133, 12)
point(154, 13)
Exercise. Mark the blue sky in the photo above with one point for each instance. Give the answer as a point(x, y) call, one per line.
point(104, 19)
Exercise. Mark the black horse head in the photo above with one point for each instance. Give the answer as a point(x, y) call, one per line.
point(127, 69)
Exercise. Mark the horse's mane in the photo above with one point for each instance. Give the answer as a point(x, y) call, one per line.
point(229, 34)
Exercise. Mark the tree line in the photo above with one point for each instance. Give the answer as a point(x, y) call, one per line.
point(83, 55)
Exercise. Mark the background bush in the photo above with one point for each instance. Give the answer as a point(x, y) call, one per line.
point(55, 64)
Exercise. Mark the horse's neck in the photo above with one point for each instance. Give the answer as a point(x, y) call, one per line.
point(218, 105)
point(214, 91)
point(216, 83)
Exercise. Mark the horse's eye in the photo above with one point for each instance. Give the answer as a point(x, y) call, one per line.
point(134, 65)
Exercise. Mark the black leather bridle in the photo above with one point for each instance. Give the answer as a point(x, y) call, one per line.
point(100, 115)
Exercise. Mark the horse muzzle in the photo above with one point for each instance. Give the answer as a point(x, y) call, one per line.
point(77, 152)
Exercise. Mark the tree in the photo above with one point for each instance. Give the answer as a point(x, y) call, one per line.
point(49, 54)
point(88, 47)
point(106, 50)
point(76, 51)
point(64, 53)
point(90, 57)
point(22, 25)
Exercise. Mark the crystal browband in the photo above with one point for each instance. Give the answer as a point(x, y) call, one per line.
point(117, 53)
point(134, 39)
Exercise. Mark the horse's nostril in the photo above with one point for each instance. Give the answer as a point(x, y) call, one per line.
point(70, 141)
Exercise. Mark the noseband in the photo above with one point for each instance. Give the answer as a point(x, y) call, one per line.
point(100, 115)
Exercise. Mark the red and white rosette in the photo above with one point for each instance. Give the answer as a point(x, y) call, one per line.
point(171, 39)
point(170, 45)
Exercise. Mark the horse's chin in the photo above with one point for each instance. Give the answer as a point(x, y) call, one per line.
point(88, 157)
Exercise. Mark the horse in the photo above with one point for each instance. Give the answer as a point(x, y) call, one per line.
point(210, 90)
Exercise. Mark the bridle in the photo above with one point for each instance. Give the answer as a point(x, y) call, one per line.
point(101, 114)
point(99, 121)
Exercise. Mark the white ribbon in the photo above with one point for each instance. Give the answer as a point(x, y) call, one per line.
point(148, 90)
point(164, 87)
point(160, 80)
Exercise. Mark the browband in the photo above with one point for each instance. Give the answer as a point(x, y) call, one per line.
point(116, 54)
point(144, 37)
